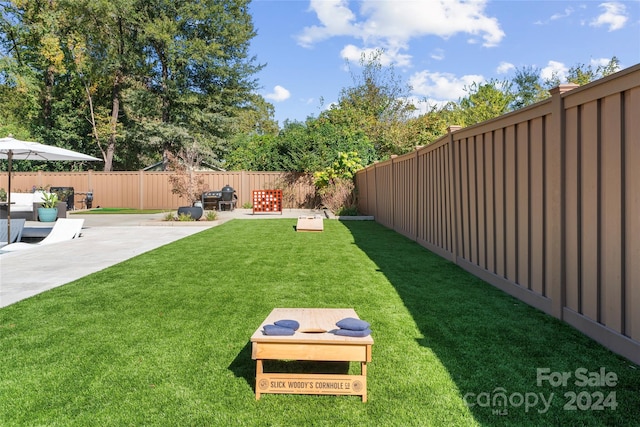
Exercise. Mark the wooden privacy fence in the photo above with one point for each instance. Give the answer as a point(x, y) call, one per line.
point(152, 190)
point(543, 203)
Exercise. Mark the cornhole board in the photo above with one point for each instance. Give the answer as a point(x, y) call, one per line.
point(310, 223)
point(312, 341)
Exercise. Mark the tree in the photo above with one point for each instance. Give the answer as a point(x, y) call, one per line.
point(582, 74)
point(200, 67)
point(184, 181)
point(256, 116)
point(254, 152)
point(527, 88)
point(484, 101)
point(379, 104)
point(428, 127)
point(108, 73)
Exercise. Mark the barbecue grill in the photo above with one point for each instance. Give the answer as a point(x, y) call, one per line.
point(210, 199)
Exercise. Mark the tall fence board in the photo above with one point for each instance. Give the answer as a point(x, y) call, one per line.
point(542, 203)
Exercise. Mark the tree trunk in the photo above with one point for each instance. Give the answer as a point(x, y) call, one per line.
point(47, 101)
point(166, 116)
point(113, 123)
point(92, 120)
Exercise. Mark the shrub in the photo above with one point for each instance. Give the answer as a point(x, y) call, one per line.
point(339, 195)
point(344, 167)
point(347, 211)
point(185, 217)
point(335, 183)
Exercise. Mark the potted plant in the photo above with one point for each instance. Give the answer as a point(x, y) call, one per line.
point(48, 212)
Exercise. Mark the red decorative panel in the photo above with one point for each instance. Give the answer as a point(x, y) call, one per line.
point(267, 201)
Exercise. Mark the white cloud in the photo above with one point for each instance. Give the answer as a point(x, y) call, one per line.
point(567, 12)
point(599, 62)
point(437, 54)
point(392, 24)
point(505, 67)
point(442, 86)
point(614, 16)
point(554, 69)
point(336, 18)
point(279, 94)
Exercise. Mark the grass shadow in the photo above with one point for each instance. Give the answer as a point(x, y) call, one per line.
point(490, 342)
point(243, 366)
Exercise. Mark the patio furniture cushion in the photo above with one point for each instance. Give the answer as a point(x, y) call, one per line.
point(286, 323)
point(353, 324)
point(277, 330)
point(23, 202)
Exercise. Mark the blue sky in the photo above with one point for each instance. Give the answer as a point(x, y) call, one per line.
point(436, 46)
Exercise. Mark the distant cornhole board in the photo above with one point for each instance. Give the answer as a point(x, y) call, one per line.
point(310, 223)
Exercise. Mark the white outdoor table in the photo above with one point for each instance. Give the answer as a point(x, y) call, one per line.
point(309, 344)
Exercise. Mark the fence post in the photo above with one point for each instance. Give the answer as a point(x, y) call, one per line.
point(394, 192)
point(416, 176)
point(454, 189)
point(90, 180)
point(376, 189)
point(554, 206)
point(141, 189)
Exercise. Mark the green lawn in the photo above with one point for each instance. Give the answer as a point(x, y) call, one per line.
point(163, 339)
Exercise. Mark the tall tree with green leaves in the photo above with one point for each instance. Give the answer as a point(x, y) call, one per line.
point(136, 77)
point(484, 101)
point(200, 68)
point(527, 87)
point(379, 104)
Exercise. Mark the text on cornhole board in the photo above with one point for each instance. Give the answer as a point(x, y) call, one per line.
point(312, 384)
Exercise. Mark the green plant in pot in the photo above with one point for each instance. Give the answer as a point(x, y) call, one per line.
point(48, 212)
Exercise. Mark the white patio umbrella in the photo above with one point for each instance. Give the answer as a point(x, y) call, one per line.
point(11, 148)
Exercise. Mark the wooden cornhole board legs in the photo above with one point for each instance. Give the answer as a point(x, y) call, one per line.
point(335, 384)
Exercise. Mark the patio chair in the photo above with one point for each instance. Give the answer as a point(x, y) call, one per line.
point(64, 229)
point(17, 225)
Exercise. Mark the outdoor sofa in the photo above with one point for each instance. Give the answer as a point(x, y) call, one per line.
point(25, 205)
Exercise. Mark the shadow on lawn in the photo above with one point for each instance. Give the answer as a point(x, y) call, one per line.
point(485, 338)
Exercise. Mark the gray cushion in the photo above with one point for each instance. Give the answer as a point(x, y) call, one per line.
point(351, 333)
point(286, 323)
point(353, 324)
point(277, 330)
